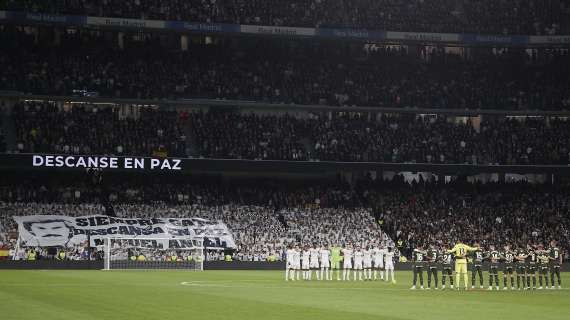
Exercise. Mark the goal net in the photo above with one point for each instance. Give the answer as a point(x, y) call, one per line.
point(153, 253)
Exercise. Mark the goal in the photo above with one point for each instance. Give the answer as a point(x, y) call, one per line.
point(153, 254)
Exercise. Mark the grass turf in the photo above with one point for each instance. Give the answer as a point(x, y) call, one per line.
point(247, 295)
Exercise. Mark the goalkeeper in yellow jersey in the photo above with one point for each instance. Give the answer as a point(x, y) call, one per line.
point(460, 251)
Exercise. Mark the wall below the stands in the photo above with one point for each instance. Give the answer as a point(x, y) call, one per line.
point(208, 265)
point(244, 265)
point(98, 265)
point(51, 265)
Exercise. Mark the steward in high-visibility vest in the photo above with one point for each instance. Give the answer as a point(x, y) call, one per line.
point(32, 255)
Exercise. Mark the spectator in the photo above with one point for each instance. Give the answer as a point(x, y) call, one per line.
point(421, 212)
point(49, 128)
point(484, 16)
point(383, 76)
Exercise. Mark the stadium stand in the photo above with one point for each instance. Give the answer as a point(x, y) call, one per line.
point(411, 214)
point(415, 139)
point(338, 75)
point(428, 140)
point(265, 217)
point(149, 189)
point(483, 16)
point(232, 135)
point(517, 214)
point(257, 230)
point(2, 139)
point(45, 127)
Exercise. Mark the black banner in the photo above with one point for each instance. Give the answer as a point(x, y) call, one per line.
point(186, 165)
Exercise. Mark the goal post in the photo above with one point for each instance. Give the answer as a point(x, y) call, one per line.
point(153, 254)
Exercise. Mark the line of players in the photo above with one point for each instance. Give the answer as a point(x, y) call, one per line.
point(526, 263)
point(366, 264)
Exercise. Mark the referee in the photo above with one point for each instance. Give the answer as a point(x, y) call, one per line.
point(460, 250)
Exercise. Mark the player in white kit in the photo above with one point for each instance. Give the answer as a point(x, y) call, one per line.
point(305, 263)
point(378, 256)
point(347, 262)
point(358, 259)
point(389, 264)
point(289, 271)
point(296, 262)
point(325, 263)
point(314, 262)
point(367, 263)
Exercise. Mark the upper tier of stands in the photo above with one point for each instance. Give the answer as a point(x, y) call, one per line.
point(536, 17)
point(301, 73)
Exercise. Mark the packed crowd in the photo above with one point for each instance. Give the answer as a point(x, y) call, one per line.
point(258, 231)
point(335, 226)
point(78, 189)
point(231, 135)
point(75, 253)
point(498, 214)
point(50, 127)
point(332, 75)
point(412, 215)
point(483, 16)
point(252, 210)
point(436, 140)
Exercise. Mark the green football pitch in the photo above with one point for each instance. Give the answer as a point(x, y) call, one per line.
point(247, 295)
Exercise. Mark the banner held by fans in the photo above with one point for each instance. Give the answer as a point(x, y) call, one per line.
point(65, 231)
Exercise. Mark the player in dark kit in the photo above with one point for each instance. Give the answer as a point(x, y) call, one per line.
point(543, 266)
point(477, 267)
point(494, 257)
point(531, 267)
point(446, 263)
point(508, 267)
point(419, 256)
point(521, 267)
point(555, 263)
point(432, 257)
